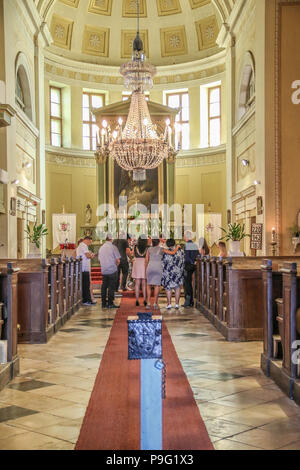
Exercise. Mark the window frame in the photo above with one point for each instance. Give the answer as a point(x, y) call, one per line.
point(91, 123)
point(214, 118)
point(55, 118)
point(180, 121)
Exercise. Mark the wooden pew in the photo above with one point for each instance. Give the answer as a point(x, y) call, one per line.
point(36, 316)
point(230, 295)
point(48, 293)
point(282, 320)
point(9, 321)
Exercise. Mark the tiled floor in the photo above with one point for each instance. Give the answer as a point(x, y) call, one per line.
point(43, 408)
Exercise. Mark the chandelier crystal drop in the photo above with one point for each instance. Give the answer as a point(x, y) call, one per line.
point(137, 147)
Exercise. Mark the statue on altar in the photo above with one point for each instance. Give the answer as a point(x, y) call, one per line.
point(88, 215)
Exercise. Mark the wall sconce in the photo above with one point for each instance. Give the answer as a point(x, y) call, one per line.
point(16, 181)
point(245, 162)
point(27, 165)
point(256, 182)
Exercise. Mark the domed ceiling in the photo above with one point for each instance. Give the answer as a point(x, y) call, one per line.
point(102, 31)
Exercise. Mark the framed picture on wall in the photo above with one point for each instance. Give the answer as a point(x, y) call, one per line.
point(13, 206)
point(259, 205)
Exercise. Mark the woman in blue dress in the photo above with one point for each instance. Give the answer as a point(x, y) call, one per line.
point(172, 273)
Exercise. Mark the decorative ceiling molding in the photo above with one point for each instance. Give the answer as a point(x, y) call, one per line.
point(130, 9)
point(199, 3)
point(168, 7)
point(101, 7)
point(127, 38)
point(202, 157)
point(71, 3)
point(207, 32)
point(69, 160)
point(61, 30)
point(173, 41)
point(68, 71)
point(95, 41)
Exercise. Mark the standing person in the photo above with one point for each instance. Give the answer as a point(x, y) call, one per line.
point(203, 247)
point(172, 271)
point(123, 246)
point(223, 250)
point(139, 268)
point(154, 271)
point(83, 251)
point(162, 241)
point(191, 253)
point(109, 258)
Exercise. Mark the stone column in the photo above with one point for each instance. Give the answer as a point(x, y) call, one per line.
point(230, 93)
point(101, 161)
point(171, 167)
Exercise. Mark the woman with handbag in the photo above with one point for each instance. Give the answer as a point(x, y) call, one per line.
point(139, 268)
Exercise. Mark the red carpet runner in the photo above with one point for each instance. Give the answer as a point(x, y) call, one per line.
point(112, 420)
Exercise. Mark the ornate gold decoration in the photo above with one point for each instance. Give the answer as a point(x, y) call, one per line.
point(130, 9)
point(61, 30)
point(207, 31)
point(173, 41)
point(137, 147)
point(95, 41)
point(168, 7)
point(102, 157)
point(127, 38)
point(199, 3)
point(71, 3)
point(101, 7)
point(172, 156)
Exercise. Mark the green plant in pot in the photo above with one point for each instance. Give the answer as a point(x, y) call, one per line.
point(35, 235)
point(234, 234)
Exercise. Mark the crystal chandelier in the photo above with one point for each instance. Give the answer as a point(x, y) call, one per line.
point(137, 147)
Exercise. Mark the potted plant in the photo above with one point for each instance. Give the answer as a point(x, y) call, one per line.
point(35, 236)
point(234, 234)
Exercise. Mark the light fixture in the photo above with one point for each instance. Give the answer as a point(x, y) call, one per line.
point(15, 181)
point(137, 147)
point(245, 162)
point(27, 165)
point(256, 182)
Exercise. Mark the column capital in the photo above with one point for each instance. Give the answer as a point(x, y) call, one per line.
point(101, 157)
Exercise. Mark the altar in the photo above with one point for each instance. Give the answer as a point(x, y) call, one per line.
point(113, 182)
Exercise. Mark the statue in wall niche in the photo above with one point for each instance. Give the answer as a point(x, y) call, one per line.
point(88, 215)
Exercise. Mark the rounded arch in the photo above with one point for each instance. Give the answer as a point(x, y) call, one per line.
point(24, 82)
point(246, 87)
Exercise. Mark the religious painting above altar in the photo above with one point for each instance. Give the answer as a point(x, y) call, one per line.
point(137, 192)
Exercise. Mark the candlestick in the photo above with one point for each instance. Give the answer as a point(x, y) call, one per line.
point(273, 242)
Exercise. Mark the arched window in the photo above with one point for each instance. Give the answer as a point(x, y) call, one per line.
point(247, 85)
point(23, 89)
point(19, 93)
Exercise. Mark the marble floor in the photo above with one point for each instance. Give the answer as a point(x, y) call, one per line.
point(44, 407)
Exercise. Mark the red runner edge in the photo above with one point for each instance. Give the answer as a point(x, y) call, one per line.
point(112, 419)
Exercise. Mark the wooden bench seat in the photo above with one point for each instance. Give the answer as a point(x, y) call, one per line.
point(229, 292)
point(281, 291)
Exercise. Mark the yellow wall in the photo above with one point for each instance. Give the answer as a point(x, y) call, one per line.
point(73, 188)
point(202, 185)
